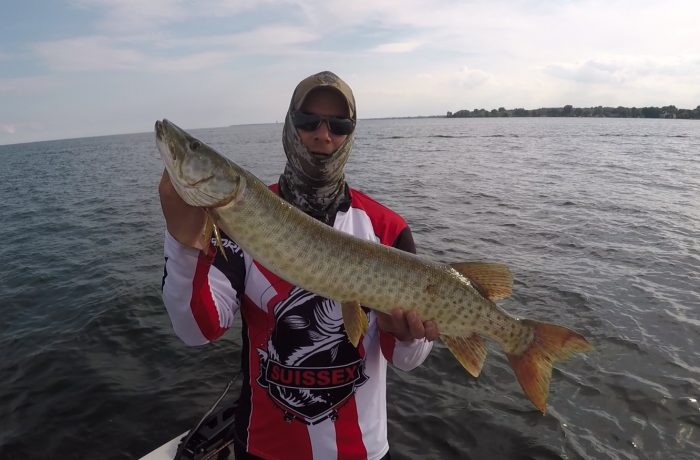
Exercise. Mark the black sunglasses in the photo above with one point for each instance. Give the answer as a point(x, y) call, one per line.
point(311, 122)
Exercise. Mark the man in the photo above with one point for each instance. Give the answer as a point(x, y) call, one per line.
point(307, 392)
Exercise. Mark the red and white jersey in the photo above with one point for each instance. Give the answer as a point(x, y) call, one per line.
point(307, 392)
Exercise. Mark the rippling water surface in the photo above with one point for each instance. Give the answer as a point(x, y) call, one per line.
point(599, 220)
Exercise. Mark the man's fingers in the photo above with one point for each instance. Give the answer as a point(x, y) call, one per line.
point(414, 324)
point(397, 315)
point(407, 325)
point(431, 330)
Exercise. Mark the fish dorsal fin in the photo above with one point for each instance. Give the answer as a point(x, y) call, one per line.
point(493, 280)
point(355, 321)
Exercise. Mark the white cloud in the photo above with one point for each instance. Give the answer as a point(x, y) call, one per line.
point(521, 33)
point(591, 71)
point(272, 38)
point(26, 85)
point(134, 15)
point(190, 63)
point(105, 53)
point(8, 128)
point(89, 54)
point(266, 39)
point(472, 77)
point(397, 47)
point(626, 69)
point(395, 93)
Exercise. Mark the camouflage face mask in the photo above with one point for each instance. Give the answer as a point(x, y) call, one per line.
point(316, 183)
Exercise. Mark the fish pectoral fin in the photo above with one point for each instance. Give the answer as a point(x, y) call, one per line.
point(207, 234)
point(210, 229)
point(469, 351)
point(355, 321)
point(493, 280)
point(219, 243)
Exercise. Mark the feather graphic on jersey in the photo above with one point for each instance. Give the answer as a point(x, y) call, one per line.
point(309, 368)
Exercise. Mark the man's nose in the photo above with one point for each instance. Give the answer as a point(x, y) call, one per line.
point(323, 131)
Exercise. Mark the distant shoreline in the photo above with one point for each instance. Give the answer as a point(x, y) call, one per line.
point(668, 112)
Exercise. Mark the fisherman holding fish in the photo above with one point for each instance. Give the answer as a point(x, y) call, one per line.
point(308, 392)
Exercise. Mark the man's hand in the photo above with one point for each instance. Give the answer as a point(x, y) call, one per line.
point(184, 222)
point(407, 325)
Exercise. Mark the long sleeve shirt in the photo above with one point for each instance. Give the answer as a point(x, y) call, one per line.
point(307, 392)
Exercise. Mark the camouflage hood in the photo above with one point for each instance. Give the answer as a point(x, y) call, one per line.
point(315, 183)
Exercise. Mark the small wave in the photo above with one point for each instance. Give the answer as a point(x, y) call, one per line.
point(680, 317)
point(449, 136)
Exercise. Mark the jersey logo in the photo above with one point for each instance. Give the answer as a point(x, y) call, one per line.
point(309, 368)
point(228, 244)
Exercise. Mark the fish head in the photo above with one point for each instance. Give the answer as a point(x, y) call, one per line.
point(201, 176)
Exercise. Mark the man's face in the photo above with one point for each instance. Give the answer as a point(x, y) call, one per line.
point(326, 103)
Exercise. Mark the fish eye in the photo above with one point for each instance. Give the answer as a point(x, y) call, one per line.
point(195, 145)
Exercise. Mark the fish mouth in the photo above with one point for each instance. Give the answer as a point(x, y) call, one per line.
point(159, 130)
point(163, 127)
point(164, 131)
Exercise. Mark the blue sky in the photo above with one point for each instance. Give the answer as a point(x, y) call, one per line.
point(76, 68)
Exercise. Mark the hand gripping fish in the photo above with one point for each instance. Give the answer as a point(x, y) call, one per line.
point(314, 256)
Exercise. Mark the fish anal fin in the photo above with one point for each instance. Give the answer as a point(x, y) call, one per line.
point(469, 351)
point(533, 367)
point(355, 321)
point(493, 280)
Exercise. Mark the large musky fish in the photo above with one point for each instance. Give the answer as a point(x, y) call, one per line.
point(307, 253)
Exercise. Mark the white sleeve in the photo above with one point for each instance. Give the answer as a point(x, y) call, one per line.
point(409, 355)
point(198, 297)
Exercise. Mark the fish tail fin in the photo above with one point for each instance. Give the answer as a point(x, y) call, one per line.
point(533, 367)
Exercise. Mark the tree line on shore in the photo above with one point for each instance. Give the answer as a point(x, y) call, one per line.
point(669, 111)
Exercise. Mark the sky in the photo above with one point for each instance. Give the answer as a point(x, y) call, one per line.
point(77, 68)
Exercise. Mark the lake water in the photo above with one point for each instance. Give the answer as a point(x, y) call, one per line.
point(599, 220)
